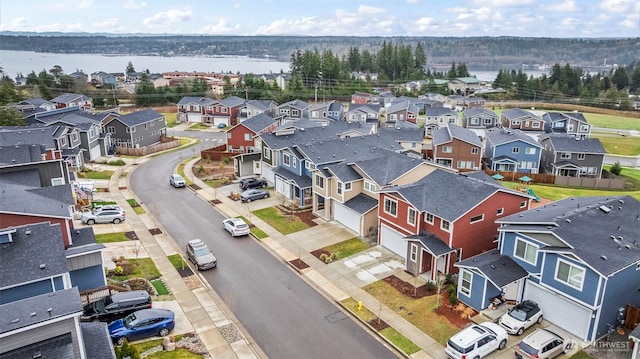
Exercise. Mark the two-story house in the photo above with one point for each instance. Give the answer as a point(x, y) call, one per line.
point(578, 258)
point(457, 147)
point(436, 117)
point(255, 107)
point(192, 109)
point(324, 111)
point(567, 155)
point(368, 114)
point(511, 151)
point(240, 138)
point(224, 111)
point(570, 123)
point(294, 109)
point(443, 218)
point(479, 118)
point(402, 110)
point(73, 100)
point(517, 118)
point(362, 98)
point(136, 129)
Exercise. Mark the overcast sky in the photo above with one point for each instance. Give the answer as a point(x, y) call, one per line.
point(460, 18)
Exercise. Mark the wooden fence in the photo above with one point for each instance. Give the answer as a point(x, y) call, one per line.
point(587, 182)
point(217, 153)
point(165, 144)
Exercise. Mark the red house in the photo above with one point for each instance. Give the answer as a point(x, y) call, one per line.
point(443, 218)
point(225, 111)
point(240, 138)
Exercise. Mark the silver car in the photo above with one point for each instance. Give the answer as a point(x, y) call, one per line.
point(177, 181)
point(200, 255)
point(104, 214)
point(541, 344)
point(253, 194)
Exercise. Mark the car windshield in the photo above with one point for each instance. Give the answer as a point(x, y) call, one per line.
point(128, 320)
point(528, 349)
point(458, 348)
point(241, 226)
point(201, 251)
point(99, 305)
point(518, 314)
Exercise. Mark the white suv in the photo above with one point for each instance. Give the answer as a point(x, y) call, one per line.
point(105, 214)
point(477, 341)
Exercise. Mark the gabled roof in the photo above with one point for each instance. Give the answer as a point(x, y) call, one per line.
point(387, 167)
point(96, 340)
point(364, 107)
point(299, 104)
point(568, 143)
point(137, 118)
point(258, 122)
point(611, 222)
point(32, 247)
point(449, 195)
point(21, 154)
point(451, 131)
point(201, 101)
point(479, 111)
point(20, 314)
point(559, 116)
point(517, 113)
point(498, 269)
point(23, 195)
point(300, 181)
point(84, 241)
point(27, 135)
point(260, 104)
point(233, 101)
point(70, 97)
point(343, 172)
point(432, 242)
point(398, 105)
point(362, 203)
point(305, 131)
point(468, 80)
point(440, 111)
point(500, 136)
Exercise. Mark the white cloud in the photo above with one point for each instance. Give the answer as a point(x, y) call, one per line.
point(84, 4)
point(618, 6)
point(220, 28)
point(107, 23)
point(569, 21)
point(566, 6)
point(19, 21)
point(134, 5)
point(307, 25)
point(502, 3)
point(426, 24)
point(631, 21)
point(370, 10)
point(456, 10)
point(167, 17)
point(413, 2)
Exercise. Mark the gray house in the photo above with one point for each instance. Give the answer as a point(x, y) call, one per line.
point(566, 155)
point(570, 123)
point(136, 129)
point(479, 118)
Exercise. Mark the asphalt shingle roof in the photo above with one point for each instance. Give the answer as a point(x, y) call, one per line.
point(499, 136)
point(96, 340)
point(433, 243)
point(446, 134)
point(362, 203)
point(139, 117)
point(300, 181)
point(499, 269)
point(22, 194)
point(611, 223)
point(568, 143)
point(258, 122)
point(517, 113)
point(21, 135)
point(388, 166)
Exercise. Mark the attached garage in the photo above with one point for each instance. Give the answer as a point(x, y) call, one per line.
point(393, 241)
point(559, 310)
point(283, 187)
point(94, 152)
point(195, 118)
point(348, 217)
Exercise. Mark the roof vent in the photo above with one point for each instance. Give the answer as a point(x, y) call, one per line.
point(605, 209)
point(493, 267)
point(15, 320)
point(27, 232)
point(33, 314)
point(43, 266)
point(621, 201)
point(568, 220)
point(604, 257)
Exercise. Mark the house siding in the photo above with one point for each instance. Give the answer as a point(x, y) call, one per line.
point(508, 243)
point(478, 284)
point(15, 220)
point(88, 278)
point(32, 289)
point(507, 150)
point(590, 284)
point(38, 334)
point(618, 295)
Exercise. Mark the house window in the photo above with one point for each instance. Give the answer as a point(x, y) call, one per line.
point(477, 218)
point(474, 121)
point(445, 225)
point(465, 283)
point(447, 149)
point(530, 150)
point(319, 181)
point(526, 251)
point(57, 181)
point(295, 163)
point(369, 186)
point(74, 137)
point(515, 150)
point(414, 252)
point(458, 254)
point(523, 204)
point(63, 141)
point(390, 206)
point(411, 216)
point(535, 124)
point(565, 155)
point(570, 274)
point(247, 137)
point(286, 159)
point(308, 165)
point(584, 128)
point(487, 121)
point(347, 186)
point(475, 150)
point(428, 218)
point(228, 134)
point(266, 153)
point(339, 188)
point(224, 110)
point(581, 156)
point(500, 211)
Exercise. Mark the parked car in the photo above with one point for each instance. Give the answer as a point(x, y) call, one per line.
point(521, 317)
point(116, 305)
point(104, 214)
point(236, 227)
point(177, 181)
point(249, 183)
point(541, 344)
point(253, 194)
point(200, 255)
point(142, 324)
point(477, 341)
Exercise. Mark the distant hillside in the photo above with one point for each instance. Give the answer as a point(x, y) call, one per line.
point(480, 53)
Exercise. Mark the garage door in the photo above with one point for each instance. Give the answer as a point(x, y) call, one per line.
point(559, 310)
point(94, 152)
point(283, 187)
point(393, 241)
point(195, 118)
point(346, 216)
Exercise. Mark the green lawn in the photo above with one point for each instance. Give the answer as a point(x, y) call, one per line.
point(136, 206)
point(160, 287)
point(347, 248)
point(555, 193)
point(111, 237)
point(581, 355)
point(609, 121)
point(99, 175)
point(283, 224)
point(170, 118)
point(619, 145)
point(142, 268)
point(177, 261)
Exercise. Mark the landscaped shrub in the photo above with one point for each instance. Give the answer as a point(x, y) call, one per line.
point(453, 298)
point(328, 258)
point(616, 168)
point(452, 289)
point(430, 286)
point(127, 351)
point(118, 270)
point(118, 162)
point(201, 169)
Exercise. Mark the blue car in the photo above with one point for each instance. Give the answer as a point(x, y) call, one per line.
point(142, 324)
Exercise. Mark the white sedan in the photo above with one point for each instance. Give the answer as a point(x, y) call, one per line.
point(236, 227)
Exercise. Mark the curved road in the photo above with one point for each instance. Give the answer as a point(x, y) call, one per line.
point(283, 314)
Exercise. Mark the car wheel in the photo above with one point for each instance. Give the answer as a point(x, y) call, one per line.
point(540, 320)
point(503, 344)
point(121, 340)
point(266, 196)
point(116, 221)
point(91, 222)
point(163, 332)
point(248, 199)
point(520, 331)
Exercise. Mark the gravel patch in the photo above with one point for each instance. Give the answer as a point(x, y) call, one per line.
point(230, 333)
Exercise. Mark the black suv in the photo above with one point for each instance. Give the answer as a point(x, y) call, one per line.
point(116, 306)
point(250, 183)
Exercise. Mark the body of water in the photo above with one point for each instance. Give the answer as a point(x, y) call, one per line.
point(14, 62)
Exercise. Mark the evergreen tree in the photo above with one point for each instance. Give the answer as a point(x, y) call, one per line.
point(620, 78)
point(130, 69)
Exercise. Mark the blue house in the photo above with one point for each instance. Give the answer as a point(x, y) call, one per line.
point(511, 150)
point(578, 258)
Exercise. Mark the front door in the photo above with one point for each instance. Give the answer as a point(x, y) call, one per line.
point(427, 258)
